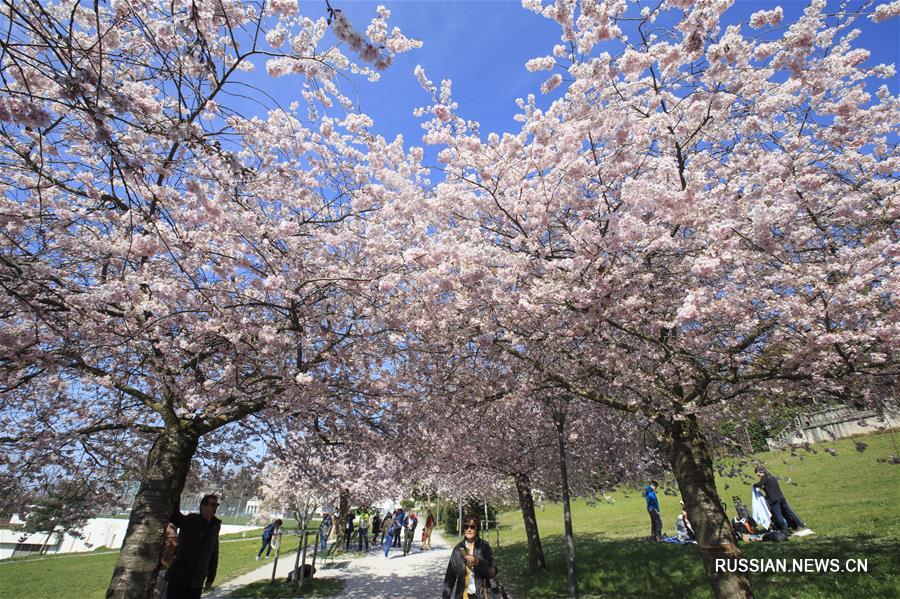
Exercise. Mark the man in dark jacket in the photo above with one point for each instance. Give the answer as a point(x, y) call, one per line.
point(653, 510)
point(399, 523)
point(348, 530)
point(778, 505)
point(197, 556)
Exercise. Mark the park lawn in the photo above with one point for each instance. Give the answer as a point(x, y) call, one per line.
point(850, 501)
point(87, 575)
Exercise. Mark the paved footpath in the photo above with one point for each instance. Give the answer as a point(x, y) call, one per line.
point(418, 575)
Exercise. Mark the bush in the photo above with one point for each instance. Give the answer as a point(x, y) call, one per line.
point(471, 506)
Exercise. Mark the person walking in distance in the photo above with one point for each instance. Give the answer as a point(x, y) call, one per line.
point(411, 523)
point(363, 530)
point(324, 530)
point(376, 527)
point(399, 518)
point(197, 554)
point(471, 565)
point(348, 530)
point(268, 535)
point(387, 526)
point(653, 510)
point(426, 532)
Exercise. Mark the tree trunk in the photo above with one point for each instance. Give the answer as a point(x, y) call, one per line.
point(46, 542)
point(526, 502)
point(341, 524)
point(161, 485)
point(692, 465)
point(567, 509)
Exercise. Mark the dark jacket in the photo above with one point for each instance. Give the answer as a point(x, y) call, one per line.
point(768, 484)
point(197, 556)
point(268, 532)
point(455, 578)
point(652, 501)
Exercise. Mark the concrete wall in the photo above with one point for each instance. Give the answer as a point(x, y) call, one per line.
point(840, 430)
point(837, 423)
point(98, 532)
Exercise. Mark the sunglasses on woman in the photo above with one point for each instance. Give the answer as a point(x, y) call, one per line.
point(470, 527)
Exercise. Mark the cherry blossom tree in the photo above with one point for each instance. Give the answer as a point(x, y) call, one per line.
point(283, 487)
point(705, 216)
point(171, 267)
point(484, 429)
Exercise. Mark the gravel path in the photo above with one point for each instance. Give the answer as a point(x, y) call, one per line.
point(418, 575)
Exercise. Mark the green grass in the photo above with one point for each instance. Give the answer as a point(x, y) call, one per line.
point(850, 501)
point(87, 575)
point(317, 587)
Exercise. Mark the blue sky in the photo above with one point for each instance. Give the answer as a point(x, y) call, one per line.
point(483, 46)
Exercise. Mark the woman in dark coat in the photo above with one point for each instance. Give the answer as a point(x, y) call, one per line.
point(471, 564)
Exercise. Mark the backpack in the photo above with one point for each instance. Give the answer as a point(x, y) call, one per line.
point(308, 571)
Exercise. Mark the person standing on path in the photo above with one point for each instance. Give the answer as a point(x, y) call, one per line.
point(324, 531)
point(411, 523)
point(348, 530)
point(197, 555)
point(388, 531)
point(471, 565)
point(376, 527)
point(268, 534)
point(399, 518)
point(363, 530)
point(653, 510)
point(781, 511)
point(426, 532)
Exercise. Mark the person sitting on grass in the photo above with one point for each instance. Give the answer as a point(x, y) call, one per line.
point(683, 529)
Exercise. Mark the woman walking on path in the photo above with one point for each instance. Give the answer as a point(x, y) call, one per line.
point(387, 526)
point(426, 532)
point(471, 564)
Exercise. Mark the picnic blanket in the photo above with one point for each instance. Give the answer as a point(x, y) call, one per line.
point(677, 541)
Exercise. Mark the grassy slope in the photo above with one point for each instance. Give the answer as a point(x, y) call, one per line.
point(850, 501)
point(86, 576)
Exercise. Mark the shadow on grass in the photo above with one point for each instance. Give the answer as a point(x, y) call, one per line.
point(637, 568)
point(317, 587)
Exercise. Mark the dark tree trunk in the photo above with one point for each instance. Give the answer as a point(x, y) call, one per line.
point(161, 485)
point(693, 468)
point(567, 508)
point(526, 502)
point(343, 511)
point(46, 542)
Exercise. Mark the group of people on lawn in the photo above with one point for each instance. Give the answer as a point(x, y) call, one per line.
point(783, 517)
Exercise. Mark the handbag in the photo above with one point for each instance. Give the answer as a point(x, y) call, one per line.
point(492, 589)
